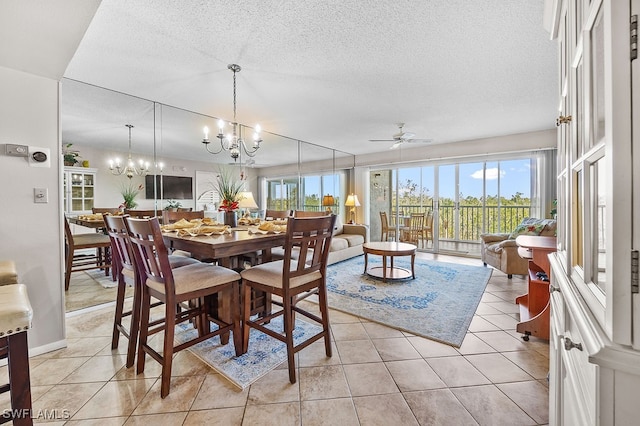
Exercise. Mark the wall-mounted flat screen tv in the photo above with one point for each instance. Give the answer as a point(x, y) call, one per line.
point(173, 187)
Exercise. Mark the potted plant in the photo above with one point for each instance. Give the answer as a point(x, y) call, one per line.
point(129, 194)
point(229, 191)
point(69, 155)
point(173, 205)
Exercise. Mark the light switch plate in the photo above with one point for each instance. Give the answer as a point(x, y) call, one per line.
point(40, 195)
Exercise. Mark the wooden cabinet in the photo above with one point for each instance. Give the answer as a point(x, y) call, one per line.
point(79, 189)
point(534, 306)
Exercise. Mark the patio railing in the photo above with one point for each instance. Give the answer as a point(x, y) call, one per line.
point(471, 222)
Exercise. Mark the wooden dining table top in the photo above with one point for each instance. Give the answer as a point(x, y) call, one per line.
point(225, 246)
point(89, 223)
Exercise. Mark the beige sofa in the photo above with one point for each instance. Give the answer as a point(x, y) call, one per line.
point(346, 243)
point(501, 251)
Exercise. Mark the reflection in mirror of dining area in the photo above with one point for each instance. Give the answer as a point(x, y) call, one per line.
point(141, 158)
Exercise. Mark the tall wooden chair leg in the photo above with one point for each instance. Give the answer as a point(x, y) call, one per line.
point(20, 385)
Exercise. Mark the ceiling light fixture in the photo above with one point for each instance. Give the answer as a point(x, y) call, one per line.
point(233, 142)
point(130, 169)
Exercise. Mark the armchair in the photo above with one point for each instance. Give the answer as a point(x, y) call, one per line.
point(501, 251)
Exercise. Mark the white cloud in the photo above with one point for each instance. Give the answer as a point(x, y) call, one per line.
point(491, 174)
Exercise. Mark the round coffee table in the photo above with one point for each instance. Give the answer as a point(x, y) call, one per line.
point(389, 249)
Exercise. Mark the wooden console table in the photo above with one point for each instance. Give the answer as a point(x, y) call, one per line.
point(534, 306)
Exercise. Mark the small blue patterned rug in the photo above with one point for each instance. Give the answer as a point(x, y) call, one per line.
point(265, 353)
point(439, 304)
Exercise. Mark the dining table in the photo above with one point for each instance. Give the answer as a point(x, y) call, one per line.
point(223, 249)
point(88, 223)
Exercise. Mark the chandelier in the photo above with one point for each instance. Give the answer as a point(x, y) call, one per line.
point(233, 142)
point(130, 169)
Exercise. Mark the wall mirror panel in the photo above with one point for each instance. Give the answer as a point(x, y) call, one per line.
point(169, 139)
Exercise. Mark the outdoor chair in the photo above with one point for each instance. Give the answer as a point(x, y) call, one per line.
point(386, 230)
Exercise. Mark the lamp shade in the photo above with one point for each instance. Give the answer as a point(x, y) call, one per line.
point(328, 200)
point(352, 201)
point(246, 200)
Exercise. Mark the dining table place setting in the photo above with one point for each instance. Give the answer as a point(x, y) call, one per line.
point(184, 224)
point(269, 227)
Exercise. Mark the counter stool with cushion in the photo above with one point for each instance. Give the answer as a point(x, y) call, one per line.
point(198, 284)
point(126, 274)
point(288, 279)
point(15, 319)
point(8, 272)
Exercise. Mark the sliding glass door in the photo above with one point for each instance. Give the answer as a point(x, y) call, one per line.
point(464, 199)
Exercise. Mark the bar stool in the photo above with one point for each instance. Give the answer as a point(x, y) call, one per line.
point(15, 319)
point(8, 273)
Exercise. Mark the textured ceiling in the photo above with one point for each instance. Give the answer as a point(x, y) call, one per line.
point(335, 73)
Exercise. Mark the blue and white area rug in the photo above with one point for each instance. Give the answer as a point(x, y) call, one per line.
point(439, 304)
point(265, 353)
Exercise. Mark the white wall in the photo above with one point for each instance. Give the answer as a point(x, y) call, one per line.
point(30, 233)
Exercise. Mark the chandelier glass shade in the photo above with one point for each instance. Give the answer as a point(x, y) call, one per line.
point(130, 168)
point(233, 142)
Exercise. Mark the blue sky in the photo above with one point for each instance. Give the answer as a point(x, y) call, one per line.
point(513, 175)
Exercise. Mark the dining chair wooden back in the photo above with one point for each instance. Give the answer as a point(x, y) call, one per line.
point(303, 213)
point(196, 284)
point(387, 231)
point(289, 278)
point(126, 273)
point(171, 216)
point(75, 261)
point(143, 214)
point(277, 214)
point(104, 210)
point(185, 209)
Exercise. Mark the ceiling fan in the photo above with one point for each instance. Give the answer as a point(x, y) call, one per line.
point(402, 137)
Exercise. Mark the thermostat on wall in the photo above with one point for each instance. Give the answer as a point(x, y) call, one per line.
point(39, 157)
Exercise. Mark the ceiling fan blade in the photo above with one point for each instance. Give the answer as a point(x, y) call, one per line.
point(418, 140)
point(382, 140)
point(407, 135)
point(395, 145)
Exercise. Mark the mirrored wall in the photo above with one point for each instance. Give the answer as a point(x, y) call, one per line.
point(168, 141)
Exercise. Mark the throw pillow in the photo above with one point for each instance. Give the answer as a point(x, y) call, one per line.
point(338, 227)
point(527, 229)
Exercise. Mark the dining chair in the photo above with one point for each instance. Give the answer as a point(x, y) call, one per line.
point(143, 214)
point(185, 209)
point(386, 230)
point(77, 258)
point(103, 210)
point(303, 213)
point(196, 284)
point(174, 216)
point(126, 272)
point(288, 278)
point(277, 214)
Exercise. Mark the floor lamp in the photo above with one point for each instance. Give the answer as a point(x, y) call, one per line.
point(352, 201)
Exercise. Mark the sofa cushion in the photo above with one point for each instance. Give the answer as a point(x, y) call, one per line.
point(338, 243)
point(352, 239)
